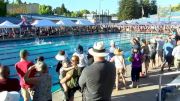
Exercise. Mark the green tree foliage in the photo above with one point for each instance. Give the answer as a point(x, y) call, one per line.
point(44, 9)
point(61, 10)
point(176, 8)
point(2, 8)
point(18, 2)
point(65, 12)
point(128, 9)
point(153, 7)
point(84, 11)
point(149, 8)
point(146, 7)
point(131, 9)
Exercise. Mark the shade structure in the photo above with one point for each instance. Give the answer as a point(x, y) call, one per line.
point(160, 23)
point(66, 22)
point(7, 24)
point(134, 23)
point(123, 23)
point(84, 22)
point(175, 23)
point(43, 23)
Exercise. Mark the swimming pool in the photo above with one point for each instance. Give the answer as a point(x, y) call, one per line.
point(9, 50)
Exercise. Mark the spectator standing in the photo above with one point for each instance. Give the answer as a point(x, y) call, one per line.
point(41, 82)
point(98, 79)
point(120, 67)
point(71, 78)
point(167, 48)
point(111, 50)
point(176, 54)
point(6, 83)
point(136, 67)
point(22, 67)
point(83, 61)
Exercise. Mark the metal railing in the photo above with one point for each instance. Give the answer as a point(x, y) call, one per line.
point(160, 81)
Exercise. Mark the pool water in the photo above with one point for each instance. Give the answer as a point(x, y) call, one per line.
point(9, 50)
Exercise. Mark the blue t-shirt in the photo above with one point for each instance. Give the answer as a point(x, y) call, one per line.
point(168, 48)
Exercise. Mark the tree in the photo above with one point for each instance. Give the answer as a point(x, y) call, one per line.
point(128, 9)
point(61, 10)
point(176, 8)
point(2, 8)
point(93, 12)
point(45, 9)
point(146, 7)
point(85, 11)
point(153, 7)
point(18, 2)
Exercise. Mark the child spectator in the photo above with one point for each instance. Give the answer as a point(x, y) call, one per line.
point(136, 67)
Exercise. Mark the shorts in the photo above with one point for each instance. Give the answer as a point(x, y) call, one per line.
point(160, 53)
point(177, 63)
point(153, 55)
point(27, 93)
point(169, 59)
point(146, 59)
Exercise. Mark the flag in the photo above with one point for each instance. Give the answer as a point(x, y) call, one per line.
point(23, 18)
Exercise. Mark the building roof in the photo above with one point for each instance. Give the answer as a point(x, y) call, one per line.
point(48, 17)
point(14, 20)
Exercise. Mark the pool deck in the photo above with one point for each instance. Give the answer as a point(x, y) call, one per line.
point(146, 92)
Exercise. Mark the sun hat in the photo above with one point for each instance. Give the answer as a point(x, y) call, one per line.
point(61, 56)
point(98, 50)
point(117, 51)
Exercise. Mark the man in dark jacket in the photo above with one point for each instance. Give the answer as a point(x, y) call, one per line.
point(97, 80)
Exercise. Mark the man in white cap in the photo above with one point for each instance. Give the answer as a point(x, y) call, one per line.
point(97, 80)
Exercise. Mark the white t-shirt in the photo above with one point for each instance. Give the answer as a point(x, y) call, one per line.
point(111, 50)
point(82, 59)
point(176, 52)
point(118, 61)
point(9, 96)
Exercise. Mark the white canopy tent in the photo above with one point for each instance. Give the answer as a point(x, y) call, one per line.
point(43, 23)
point(66, 22)
point(84, 22)
point(7, 24)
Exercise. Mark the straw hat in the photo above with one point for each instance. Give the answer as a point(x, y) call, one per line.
point(98, 50)
point(117, 51)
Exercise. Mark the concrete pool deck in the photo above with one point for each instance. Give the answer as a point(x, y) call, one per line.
point(146, 92)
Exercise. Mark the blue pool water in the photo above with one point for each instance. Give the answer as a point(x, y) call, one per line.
point(9, 50)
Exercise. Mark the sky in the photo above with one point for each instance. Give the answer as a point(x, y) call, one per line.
point(92, 5)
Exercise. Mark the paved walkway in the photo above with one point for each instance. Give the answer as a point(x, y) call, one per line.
point(146, 92)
